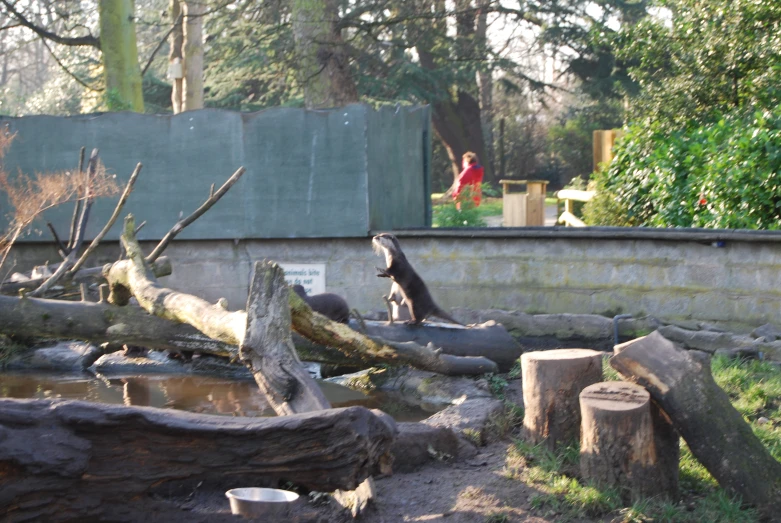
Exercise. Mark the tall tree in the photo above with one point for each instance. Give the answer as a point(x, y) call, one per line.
point(117, 45)
point(120, 55)
point(192, 54)
point(323, 67)
point(175, 65)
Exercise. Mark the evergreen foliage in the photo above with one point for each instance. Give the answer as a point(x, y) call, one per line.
point(703, 148)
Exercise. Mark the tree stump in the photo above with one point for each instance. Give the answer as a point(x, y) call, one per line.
point(718, 436)
point(619, 444)
point(552, 381)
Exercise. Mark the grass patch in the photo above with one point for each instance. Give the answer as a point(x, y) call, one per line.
point(8, 349)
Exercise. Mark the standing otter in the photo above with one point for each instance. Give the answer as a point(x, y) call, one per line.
point(413, 288)
point(330, 305)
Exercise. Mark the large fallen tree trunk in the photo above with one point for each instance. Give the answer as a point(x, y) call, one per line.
point(702, 414)
point(103, 323)
point(489, 340)
point(72, 460)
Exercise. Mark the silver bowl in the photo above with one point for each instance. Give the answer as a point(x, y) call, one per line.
point(261, 502)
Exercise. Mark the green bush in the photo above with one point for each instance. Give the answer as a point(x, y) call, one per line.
point(448, 215)
point(723, 173)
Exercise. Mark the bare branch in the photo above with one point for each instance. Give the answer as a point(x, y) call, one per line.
point(61, 247)
point(88, 40)
point(71, 258)
point(110, 222)
point(162, 41)
point(181, 224)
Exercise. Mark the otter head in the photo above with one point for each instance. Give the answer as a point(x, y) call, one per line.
point(386, 244)
point(299, 289)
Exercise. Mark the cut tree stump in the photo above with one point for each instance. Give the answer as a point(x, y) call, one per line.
point(702, 414)
point(619, 446)
point(552, 382)
point(79, 461)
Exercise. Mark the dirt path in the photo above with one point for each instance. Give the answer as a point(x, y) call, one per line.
point(474, 490)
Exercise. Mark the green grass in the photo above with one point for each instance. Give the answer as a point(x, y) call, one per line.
point(754, 388)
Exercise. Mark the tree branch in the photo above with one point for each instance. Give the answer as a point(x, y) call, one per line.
point(43, 33)
point(180, 225)
point(110, 222)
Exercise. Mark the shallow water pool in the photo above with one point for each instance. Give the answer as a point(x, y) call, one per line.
point(202, 394)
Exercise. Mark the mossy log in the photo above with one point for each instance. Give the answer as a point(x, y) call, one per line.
point(701, 412)
point(79, 461)
point(619, 444)
point(552, 382)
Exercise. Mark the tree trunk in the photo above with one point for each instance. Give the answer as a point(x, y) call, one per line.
point(120, 55)
point(552, 382)
point(175, 61)
point(701, 412)
point(618, 443)
point(485, 85)
point(77, 461)
point(268, 349)
point(489, 340)
point(323, 64)
point(192, 54)
point(321, 330)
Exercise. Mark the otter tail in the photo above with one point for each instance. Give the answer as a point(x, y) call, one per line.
point(439, 313)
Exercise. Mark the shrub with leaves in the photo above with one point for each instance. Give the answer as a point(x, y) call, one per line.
point(721, 174)
point(449, 215)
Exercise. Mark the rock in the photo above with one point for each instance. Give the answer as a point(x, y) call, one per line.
point(65, 356)
point(417, 444)
point(768, 332)
point(468, 418)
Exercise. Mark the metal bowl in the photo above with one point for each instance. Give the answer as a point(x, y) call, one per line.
point(261, 502)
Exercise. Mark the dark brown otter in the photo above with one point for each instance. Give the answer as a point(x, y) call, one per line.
point(330, 305)
point(413, 288)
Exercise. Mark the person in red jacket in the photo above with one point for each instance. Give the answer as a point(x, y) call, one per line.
point(471, 176)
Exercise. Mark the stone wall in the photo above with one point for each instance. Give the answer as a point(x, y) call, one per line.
point(716, 277)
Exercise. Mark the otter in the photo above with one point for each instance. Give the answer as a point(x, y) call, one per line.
point(416, 295)
point(330, 305)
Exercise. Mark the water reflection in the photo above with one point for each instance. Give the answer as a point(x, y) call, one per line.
point(206, 395)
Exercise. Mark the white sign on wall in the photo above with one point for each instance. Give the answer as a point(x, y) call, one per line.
point(310, 275)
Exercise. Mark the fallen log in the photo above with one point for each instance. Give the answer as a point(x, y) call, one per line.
point(103, 323)
point(702, 414)
point(262, 332)
point(489, 340)
point(73, 460)
point(322, 331)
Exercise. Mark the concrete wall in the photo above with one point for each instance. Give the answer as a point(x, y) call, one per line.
point(723, 276)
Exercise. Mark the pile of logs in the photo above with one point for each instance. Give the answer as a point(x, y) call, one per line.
point(65, 460)
point(629, 430)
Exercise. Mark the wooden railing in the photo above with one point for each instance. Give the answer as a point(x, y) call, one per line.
point(570, 196)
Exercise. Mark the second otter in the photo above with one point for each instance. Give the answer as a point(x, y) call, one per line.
point(330, 305)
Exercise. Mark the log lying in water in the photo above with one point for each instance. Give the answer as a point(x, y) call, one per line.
point(73, 460)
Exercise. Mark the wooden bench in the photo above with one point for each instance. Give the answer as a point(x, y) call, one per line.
point(569, 196)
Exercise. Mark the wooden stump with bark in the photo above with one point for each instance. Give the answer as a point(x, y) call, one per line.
point(552, 382)
point(619, 445)
point(683, 386)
